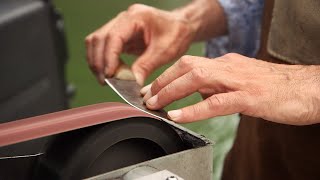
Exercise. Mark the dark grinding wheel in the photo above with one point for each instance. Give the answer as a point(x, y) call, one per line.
point(91, 151)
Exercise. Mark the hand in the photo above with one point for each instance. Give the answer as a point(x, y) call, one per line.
point(233, 83)
point(155, 36)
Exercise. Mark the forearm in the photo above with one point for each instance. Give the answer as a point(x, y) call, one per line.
point(206, 17)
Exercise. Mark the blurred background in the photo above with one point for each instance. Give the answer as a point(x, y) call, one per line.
point(82, 18)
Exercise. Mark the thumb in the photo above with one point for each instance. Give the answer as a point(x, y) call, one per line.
point(146, 64)
point(216, 105)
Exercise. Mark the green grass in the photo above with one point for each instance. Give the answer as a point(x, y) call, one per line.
point(83, 17)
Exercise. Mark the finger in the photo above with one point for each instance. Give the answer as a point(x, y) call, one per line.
point(100, 78)
point(179, 88)
point(94, 51)
point(94, 61)
point(145, 89)
point(182, 66)
point(147, 96)
point(97, 56)
point(120, 33)
point(112, 52)
point(207, 92)
point(216, 105)
point(88, 49)
point(144, 65)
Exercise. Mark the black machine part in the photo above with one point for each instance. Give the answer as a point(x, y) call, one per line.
point(33, 56)
point(103, 148)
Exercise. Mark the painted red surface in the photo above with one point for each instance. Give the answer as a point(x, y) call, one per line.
point(58, 122)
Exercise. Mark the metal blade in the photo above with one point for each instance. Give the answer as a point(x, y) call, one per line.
point(130, 92)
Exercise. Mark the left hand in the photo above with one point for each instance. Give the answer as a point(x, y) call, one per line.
point(233, 83)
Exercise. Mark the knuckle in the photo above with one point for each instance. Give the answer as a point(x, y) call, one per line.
point(228, 68)
point(171, 52)
point(137, 8)
point(181, 27)
point(231, 56)
point(214, 101)
point(186, 61)
point(134, 7)
point(168, 89)
point(122, 13)
point(142, 67)
point(88, 40)
point(113, 52)
point(96, 65)
point(199, 74)
point(95, 39)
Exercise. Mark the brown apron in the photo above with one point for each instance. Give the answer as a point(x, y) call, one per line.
point(265, 150)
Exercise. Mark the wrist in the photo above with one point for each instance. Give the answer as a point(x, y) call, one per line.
point(205, 17)
point(191, 20)
point(315, 88)
point(310, 86)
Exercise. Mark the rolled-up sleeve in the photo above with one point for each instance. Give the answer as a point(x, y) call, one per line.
point(244, 27)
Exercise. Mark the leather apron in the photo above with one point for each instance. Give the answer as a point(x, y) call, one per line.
point(265, 150)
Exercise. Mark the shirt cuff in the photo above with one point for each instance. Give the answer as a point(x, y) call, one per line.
point(244, 21)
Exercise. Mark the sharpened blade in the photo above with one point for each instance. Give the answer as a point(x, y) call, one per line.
point(130, 92)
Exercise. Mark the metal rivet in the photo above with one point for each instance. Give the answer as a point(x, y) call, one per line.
point(172, 178)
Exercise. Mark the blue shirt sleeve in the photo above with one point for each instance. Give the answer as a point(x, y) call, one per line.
point(244, 26)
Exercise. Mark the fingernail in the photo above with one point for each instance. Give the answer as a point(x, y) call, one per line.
point(152, 101)
point(145, 89)
point(175, 114)
point(147, 96)
point(139, 78)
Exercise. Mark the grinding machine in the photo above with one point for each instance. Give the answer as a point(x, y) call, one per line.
point(115, 140)
point(40, 139)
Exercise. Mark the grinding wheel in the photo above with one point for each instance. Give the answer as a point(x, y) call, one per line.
point(103, 148)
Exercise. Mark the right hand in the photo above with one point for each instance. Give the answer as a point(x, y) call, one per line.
point(155, 36)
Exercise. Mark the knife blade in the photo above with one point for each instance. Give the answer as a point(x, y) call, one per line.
point(129, 90)
point(125, 85)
